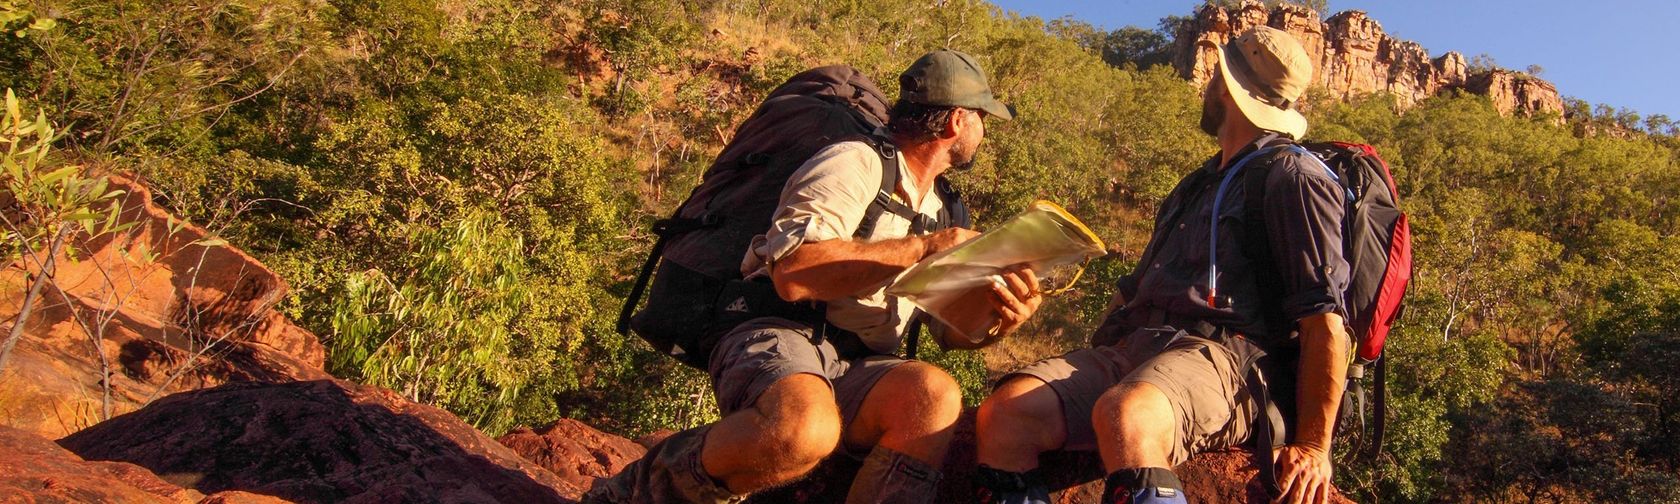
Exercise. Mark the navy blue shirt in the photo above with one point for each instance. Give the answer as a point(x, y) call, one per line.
point(1265, 285)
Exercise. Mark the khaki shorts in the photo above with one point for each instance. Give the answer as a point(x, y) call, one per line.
point(761, 352)
point(1200, 377)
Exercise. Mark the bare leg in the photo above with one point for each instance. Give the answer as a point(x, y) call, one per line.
point(908, 419)
point(1134, 423)
point(1019, 421)
point(787, 431)
point(912, 410)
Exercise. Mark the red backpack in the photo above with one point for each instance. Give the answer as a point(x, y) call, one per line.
point(1377, 243)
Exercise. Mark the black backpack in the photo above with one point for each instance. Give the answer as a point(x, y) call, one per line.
point(697, 294)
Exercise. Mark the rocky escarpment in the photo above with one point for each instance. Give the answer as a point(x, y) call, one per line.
point(1515, 91)
point(1352, 56)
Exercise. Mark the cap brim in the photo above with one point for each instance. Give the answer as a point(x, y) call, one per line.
point(1262, 114)
point(999, 110)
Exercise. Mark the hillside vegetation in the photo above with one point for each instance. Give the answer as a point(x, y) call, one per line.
point(460, 190)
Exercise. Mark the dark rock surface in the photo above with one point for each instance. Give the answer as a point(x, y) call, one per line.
point(319, 441)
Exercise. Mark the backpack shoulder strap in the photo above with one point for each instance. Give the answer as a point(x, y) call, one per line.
point(953, 213)
point(1254, 181)
point(884, 201)
point(1249, 174)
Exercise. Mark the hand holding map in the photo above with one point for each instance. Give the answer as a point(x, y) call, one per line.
point(954, 286)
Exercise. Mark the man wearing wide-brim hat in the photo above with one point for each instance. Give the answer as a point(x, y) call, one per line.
point(1169, 373)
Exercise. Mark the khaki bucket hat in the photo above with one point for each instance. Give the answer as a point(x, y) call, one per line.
point(1267, 71)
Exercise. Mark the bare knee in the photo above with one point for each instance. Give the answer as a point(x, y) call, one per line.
point(800, 428)
point(1020, 420)
point(1134, 425)
point(1142, 405)
point(1019, 405)
point(923, 392)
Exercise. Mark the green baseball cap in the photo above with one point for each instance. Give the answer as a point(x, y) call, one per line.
point(949, 78)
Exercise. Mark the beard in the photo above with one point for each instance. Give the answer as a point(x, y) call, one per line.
point(962, 154)
point(961, 161)
point(1213, 113)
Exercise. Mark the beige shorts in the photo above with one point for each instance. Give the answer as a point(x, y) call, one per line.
point(1200, 377)
point(761, 352)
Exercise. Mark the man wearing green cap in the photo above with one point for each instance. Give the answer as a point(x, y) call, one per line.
point(792, 397)
point(1174, 365)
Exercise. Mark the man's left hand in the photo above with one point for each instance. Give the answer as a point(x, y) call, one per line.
point(1018, 298)
point(1304, 474)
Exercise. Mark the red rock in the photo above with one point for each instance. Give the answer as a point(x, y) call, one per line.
point(319, 441)
point(190, 317)
point(1228, 476)
point(574, 451)
point(34, 469)
point(238, 497)
point(1516, 92)
point(653, 438)
point(1352, 55)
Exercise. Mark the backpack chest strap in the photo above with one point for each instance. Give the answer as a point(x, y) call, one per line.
point(885, 202)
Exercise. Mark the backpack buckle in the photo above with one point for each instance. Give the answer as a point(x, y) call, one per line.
point(886, 147)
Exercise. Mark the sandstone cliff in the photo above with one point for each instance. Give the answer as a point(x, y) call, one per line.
point(1515, 91)
point(1352, 56)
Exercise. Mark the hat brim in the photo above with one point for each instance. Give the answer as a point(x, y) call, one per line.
point(1244, 92)
point(999, 110)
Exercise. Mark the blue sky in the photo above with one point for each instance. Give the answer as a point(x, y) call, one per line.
point(1622, 52)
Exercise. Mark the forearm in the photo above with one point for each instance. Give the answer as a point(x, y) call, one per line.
point(1323, 376)
point(1114, 303)
point(991, 337)
point(833, 269)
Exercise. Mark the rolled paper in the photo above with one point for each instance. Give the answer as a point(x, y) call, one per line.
point(954, 285)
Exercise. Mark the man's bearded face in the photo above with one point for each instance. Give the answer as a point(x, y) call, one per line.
point(1213, 106)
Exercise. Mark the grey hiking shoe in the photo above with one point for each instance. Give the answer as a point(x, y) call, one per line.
point(888, 476)
point(670, 472)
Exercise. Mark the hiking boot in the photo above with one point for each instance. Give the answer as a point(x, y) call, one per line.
point(1009, 487)
point(888, 476)
point(1148, 485)
point(670, 472)
point(1151, 495)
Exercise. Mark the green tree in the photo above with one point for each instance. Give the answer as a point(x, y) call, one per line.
point(1137, 46)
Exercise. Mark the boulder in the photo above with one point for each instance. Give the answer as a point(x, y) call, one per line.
point(318, 441)
point(34, 469)
point(574, 451)
point(158, 308)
